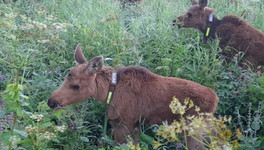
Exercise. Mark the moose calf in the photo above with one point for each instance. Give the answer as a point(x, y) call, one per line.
point(232, 31)
point(137, 94)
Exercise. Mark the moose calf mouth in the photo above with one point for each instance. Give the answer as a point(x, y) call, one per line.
point(52, 104)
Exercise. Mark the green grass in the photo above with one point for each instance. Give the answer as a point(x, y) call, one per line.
point(140, 35)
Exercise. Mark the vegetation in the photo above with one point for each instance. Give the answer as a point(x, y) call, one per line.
point(37, 41)
point(216, 134)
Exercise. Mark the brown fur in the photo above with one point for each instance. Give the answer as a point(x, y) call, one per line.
point(232, 31)
point(139, 94)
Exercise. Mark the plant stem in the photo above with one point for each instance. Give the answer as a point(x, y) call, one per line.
point(184, 132)
point(15, 114)
point(37, 135)
point(12, 129)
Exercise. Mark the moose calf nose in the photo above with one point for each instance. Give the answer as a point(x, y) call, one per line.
point(52, 104)
point(174, 22)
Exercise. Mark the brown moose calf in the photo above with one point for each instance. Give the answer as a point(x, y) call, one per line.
point(137, 95)
point(232, 31)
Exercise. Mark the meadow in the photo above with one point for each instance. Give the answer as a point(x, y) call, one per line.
point(38, 39)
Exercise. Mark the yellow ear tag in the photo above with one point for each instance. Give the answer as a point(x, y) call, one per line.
point(109, 97)
point(207, 32)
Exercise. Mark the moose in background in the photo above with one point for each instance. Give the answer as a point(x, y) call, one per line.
point(233, 32)
point(130, 2)
point(137, 95)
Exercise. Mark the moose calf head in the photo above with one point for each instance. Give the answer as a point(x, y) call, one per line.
point(79, 84)
point(196, 16)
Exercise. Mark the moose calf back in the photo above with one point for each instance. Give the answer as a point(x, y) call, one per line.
point(143, 94)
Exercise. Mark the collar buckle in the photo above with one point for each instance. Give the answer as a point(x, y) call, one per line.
point(211, 18)
point(114, 78)
point(111, 88)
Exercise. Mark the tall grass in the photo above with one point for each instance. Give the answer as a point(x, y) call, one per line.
point(45, 34)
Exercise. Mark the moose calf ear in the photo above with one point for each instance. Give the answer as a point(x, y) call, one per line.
point(95, 64)
point(78, 55)
point(203, 3)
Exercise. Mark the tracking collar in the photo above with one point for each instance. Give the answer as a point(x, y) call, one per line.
point(109, 97)
point(111, 88)
point(208, 28)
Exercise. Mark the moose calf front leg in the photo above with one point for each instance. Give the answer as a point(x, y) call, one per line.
point(122, 131)
point(120, 134)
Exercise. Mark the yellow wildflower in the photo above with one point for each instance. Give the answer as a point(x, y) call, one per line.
point(236, 144)
point(239, 134)
point(229, 119)
point(186, 101)
point(191, 104)
point(229, 133)
point(156, 144)
point(197, 109)
point(138, 147)
point(130, 145)
point(176, 107)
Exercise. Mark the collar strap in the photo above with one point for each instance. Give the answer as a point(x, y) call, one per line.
point(209, 24)
point(109, 96)
point(111, 88)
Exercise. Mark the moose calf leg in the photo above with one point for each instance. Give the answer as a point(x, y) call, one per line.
point(120, 134)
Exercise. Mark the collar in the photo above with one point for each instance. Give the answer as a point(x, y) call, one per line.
point(111, 88)
point(109, 96)
point(208, 28)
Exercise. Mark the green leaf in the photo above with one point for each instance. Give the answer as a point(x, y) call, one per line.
point(255, 125)
point(20, 112)
point(11, 94)
point(59, 113)
point(25, 141)
point(4, 137)
point(24, 96)
point(20, 87)
point(55, 140)
point(257, 143)
point(146, 138)
point(24, 103)
point(9, 86)
point(84, 139)
point(22, 133)
point(46, 124)
point(43, 106)
point(16, 96)
point(13, 106)
point(24, 80)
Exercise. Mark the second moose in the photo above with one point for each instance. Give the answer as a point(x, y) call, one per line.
point(232, 31)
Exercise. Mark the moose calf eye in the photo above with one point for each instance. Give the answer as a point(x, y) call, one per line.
point(189, 15)
point(75, 87)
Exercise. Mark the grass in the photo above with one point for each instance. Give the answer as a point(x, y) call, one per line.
point(37, 46)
